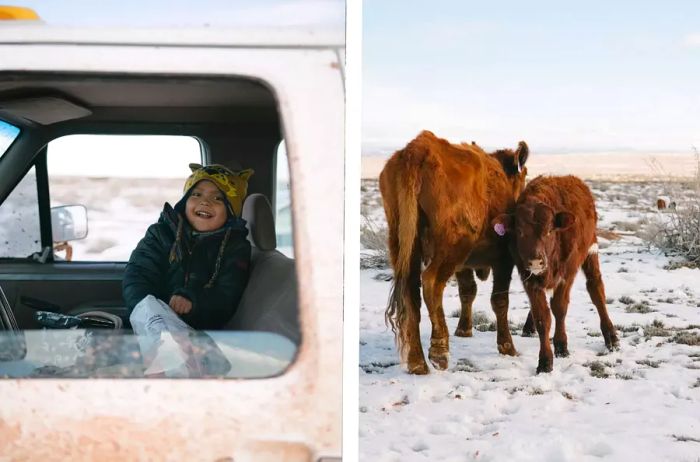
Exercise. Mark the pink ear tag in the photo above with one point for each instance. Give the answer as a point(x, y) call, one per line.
point(500, 229)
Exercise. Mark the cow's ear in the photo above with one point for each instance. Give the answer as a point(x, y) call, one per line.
point(521, 155)
point(502, 224)
point(563, 220)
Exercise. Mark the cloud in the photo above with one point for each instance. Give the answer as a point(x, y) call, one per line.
point(296, 13)
point(561, 117)
point(692, 40)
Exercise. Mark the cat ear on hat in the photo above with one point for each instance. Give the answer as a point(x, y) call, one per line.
point(194, 167)
point(247, 173)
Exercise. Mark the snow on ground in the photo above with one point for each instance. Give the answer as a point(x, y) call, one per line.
point(640, 403)
point(119, 211)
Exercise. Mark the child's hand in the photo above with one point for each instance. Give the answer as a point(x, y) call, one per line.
point(180, 304)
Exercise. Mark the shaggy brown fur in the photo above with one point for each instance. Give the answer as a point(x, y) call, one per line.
point(553, 234)
point(439, 199)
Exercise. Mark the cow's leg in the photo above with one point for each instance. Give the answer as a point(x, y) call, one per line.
point(596, 289)
point(415, 361)
point(529, 327)
point(467, 294)
point(543, 321)
point(502, 274)
point(434, 280)
point(413, 349)
point(560, 305)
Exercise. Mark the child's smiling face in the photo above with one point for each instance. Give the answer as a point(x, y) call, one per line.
point(205, 208)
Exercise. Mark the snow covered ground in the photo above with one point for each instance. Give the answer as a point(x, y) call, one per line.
point(121, 209)
point(640, 403)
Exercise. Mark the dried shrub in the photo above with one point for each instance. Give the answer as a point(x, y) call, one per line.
point(625, 300)
point(686, 338)
point(464, 365)
point(677, 231)
point(642, 307)
point(599, 369)
point(656, 329)
point(684, 438)
point(649, 363)
point(373, 239)
point(483, 323)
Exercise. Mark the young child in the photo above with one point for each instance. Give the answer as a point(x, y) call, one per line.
point(196, 257)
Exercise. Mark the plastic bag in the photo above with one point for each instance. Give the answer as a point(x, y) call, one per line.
point(170, 347)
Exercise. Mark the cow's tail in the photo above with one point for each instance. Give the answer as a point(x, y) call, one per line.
point(400, 184)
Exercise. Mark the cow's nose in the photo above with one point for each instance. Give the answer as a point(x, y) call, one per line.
point(537, 265)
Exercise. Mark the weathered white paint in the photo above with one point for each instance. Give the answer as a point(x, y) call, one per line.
point(270, 37)
point(296, 416)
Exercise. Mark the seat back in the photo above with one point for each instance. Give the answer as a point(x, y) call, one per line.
point(269, 302)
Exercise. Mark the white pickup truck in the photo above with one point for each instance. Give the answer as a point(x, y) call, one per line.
point(239, 93)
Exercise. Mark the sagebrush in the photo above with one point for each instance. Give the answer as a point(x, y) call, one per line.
point(373, 239)
point(677, 231)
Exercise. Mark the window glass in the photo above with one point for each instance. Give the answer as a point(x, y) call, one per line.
point(8, 133)
point(283, 204)
point(20, 233)
point(123, 182)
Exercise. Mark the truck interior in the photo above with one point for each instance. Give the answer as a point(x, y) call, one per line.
point(236, 122)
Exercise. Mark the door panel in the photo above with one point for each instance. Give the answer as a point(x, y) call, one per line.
point(75, 287)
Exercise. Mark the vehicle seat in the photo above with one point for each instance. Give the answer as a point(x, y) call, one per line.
point(269, 302)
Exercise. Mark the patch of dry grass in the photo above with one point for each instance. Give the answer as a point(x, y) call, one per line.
point(373, 238)
point(599, 369)
point(686, 338)
point(483, 323)
point(642, 307)
point(677, 233)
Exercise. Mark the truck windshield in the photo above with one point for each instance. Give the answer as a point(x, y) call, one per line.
point(8, 133)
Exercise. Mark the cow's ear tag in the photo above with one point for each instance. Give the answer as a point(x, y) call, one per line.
point(500, 229)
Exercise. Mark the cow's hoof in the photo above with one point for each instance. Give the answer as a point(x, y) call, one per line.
point(439, 359)
point(463, 332)
point(528, 332)
point(612, 342)
point(561, 350)
point(545, 365)
point(507, 349)
point(418, 369)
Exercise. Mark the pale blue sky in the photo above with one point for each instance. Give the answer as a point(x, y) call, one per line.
point(164, 13)
point(564, 76)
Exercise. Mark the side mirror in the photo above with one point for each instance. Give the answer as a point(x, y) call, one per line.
point(69, 223)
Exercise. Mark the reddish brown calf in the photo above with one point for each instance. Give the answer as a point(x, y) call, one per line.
point(552, 236)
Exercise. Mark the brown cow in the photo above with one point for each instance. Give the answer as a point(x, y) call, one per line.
point(439, 200)
point(554, 230)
